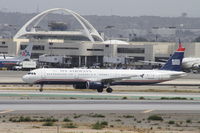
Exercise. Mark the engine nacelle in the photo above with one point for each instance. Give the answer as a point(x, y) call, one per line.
point(196, 66)
point(89, 85)
point(80, 86)
point(94, 85)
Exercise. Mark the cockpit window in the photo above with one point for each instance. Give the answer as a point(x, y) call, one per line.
point(31, 73)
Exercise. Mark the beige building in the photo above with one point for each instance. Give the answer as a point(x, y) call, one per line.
point(86, 53)
point(86, 46)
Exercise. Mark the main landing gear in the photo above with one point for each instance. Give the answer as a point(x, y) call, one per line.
point(108, 89)
point(100, 90)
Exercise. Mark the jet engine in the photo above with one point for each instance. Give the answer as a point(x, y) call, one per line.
point(79, 86)
point(89, 85)
point(196, 65)
point(94, 85)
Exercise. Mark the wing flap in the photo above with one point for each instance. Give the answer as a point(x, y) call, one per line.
point(111, 79)
point(115, 79)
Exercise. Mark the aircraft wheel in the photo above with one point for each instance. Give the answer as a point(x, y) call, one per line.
point(109, 90)
point(100, 90)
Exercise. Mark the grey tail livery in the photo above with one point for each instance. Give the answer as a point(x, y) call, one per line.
point(26, 53)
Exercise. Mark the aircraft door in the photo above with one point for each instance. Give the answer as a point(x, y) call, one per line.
point(76, 75)
point(43, 74)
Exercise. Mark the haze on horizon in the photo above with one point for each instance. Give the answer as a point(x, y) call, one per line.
point(169, 8)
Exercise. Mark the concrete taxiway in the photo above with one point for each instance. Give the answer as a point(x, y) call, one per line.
point(77, 101)
point(100, 105)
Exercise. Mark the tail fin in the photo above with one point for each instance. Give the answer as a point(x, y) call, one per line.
point(26, 53)
point(175, 61)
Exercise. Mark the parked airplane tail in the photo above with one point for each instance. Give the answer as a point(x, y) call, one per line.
point(26, 53)
point(174, 63)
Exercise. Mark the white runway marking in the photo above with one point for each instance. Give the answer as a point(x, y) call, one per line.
point(147, 111)
point(6, 111)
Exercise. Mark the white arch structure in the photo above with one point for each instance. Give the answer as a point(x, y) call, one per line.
point(89, 30)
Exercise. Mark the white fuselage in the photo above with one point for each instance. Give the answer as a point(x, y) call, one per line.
point(191, 62)
point(7, 57)
point(117, 76)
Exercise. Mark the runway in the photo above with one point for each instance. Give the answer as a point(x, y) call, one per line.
point(100, 105)
point(117, 101)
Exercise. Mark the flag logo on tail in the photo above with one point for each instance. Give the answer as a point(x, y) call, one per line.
point(25, 53)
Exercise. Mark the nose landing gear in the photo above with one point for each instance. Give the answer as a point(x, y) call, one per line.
point(41, 88)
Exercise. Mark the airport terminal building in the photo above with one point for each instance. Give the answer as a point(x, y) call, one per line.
point(86, 46)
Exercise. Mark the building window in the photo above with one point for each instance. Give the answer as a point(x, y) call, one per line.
point(94, 49)
point(35, 55)
point(138, 58)
point(22, 47)
point(131, 50)
point(38, 47)
point(3, 42)
point(35, 47)
point(3, 46)
point(106, 46)
point(3, 52)
point(72, 48)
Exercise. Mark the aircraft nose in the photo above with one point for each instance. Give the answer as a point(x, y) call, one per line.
point(25, 78)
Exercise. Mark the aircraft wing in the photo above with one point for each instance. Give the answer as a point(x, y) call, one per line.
point(164, 60)
point(110, 80)
point(152, 62)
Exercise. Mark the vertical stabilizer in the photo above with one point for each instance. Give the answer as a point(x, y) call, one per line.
point(175, 61)
point(26, 53)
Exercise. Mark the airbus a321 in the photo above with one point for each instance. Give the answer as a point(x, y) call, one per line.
point(99, 79)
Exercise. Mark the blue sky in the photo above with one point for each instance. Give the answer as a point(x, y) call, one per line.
point(171, 8)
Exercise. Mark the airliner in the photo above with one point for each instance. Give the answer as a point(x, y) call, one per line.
point(191, 63)
point(12, 61)
point(99, 79)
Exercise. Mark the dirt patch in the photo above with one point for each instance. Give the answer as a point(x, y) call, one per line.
point(113, 123)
